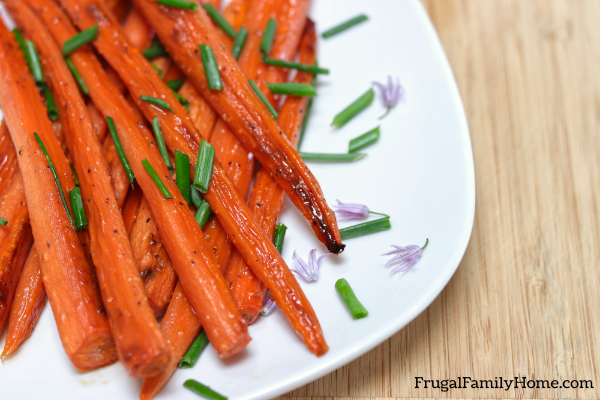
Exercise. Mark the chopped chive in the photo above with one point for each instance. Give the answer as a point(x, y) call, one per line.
point(308, 110)
point(154, 51)
point(117, 142)
point(182, 168)
point(58, 185)
point(75, 178)
point(343, 26)
point(82, 38)
point(204, 166)
point(33, 60)
point(357, 310)
point(160, 141)
point(211, 69)
point(3, 222)
point(77, 76)
point(78, 210)
point(182, 100)
point(175, 84)
point(268, 36)
point(165, 192)
point(158, 70)
point(263, 99)
point(354, 109)
point(219, 20)
point(240, 41)
point(363, 140)
point(279, 236)
point(19, 39)
point(293, 89)
point(365, 228)
point(187, 5)
point(157, 102)
point(50, 104)
point(313, 69)
point(332, 157)
point(196, 198)
point(193, 353)
point(202, 390)
point(203, 214)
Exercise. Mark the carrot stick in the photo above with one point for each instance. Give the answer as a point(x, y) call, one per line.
point(84, 331)
point(137, 30)
point(98, 122)
point(194, 263)
point(201, 113)
point(130, 210)
point(236, 11)
point(8, 159)
point(118, 177)
point(140, 345)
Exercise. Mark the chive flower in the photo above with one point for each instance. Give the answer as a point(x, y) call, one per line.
point(268, 305)
point(353, 211)
point(390, 93)
point(309, 272)
point(406, 256)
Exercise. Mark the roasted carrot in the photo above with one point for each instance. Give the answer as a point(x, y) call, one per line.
point(137, 30)
point(8, 159)
point(194, 263)
point(118, 177)
point(98, 122)
point(130, 210)
point(68, 278)
point(201, 113)
point(236, 11)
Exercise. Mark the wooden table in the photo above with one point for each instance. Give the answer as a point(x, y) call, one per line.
point(525, 301)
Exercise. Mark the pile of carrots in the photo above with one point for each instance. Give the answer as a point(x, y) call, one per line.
point(143, 255)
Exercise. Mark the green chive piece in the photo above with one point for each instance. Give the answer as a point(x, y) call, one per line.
point(343, 26)
point(279, 236)
point(204, 166)
point(19, 39)
point(77, 76)
point(160, 141)
point(354, 109)
point(75, 178)
point(58, 185)
point(203, 214)
point(313, 69)
point(307, 113)
point(263, 99)
point(182, 168)
point(219, 20)
point(182, 100)
point(357, 310)
point(187, 5)
point(240, 41)
point(78, 210)
point(3, 222)
point(332, 157)
point(154, 51)
point(196, 198)
point(82, 38)
point(117, 142)
point(50, 104)
point(293, 89)
point(158, 70)
point(33, 60)
point(157, 102)
point(268, 36)
point(175, 84)
point(197, 347)
point(210, 67)
point(202, 390)
point(365, 228)
point(363, 140)
point(165, 192)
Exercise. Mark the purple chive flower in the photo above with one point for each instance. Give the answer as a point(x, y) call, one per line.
point(351, 210)
point(390, 93)
point(407, 256)
point(310, 272)
point(268, 305)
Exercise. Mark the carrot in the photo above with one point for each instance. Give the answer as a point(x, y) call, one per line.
point(118, 7)
point(8, 159)
point(84, 331)
point(201, 113)
point(139, 343)
point(130, 210)
point(118, 177)
point(137, 30)
point(98, 122)
point(236, 11)
point(194, 263)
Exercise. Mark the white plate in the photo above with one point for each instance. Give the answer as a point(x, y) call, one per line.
point(420, 172)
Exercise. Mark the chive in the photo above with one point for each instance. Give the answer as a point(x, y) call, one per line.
point(263, 99)
point(204, 166)
point(182, 168)
point(50, 104)
point(193, 353)
point(160, 141)
point(182, 100)
point(117, 142)
point(160, 71)
point(203, 214)
point(165, 192)
point(75, 178)
point(332, 157)
point(82, 38)
point(196, 198)
point(268, 36)
point(154, 51)
point(210, 67)
point(175, 84)
point(219, 20)
point(293, 89)
point(157, 102)
point(363, 140)
point(365, 228)
point(279, 236)
point(33, 60)
point(308, 110)
point(187, 5)
point(58, 185)
point(202, 390)
point(77, 76)
point(3, 222)
point(354, 109)
point(240, 41)
point(349, 298)
point(78, 210)
point(19, 39)
point(313, 69)
point(343, 26)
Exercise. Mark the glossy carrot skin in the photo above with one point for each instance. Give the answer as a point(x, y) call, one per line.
point(67, 275)
point(194, 263)
point(8, 159)
point(130, 210)
point(98, 122)
point(236, 11)
point(118, 177)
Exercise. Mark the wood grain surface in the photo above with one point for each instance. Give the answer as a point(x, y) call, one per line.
point(525, 301)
